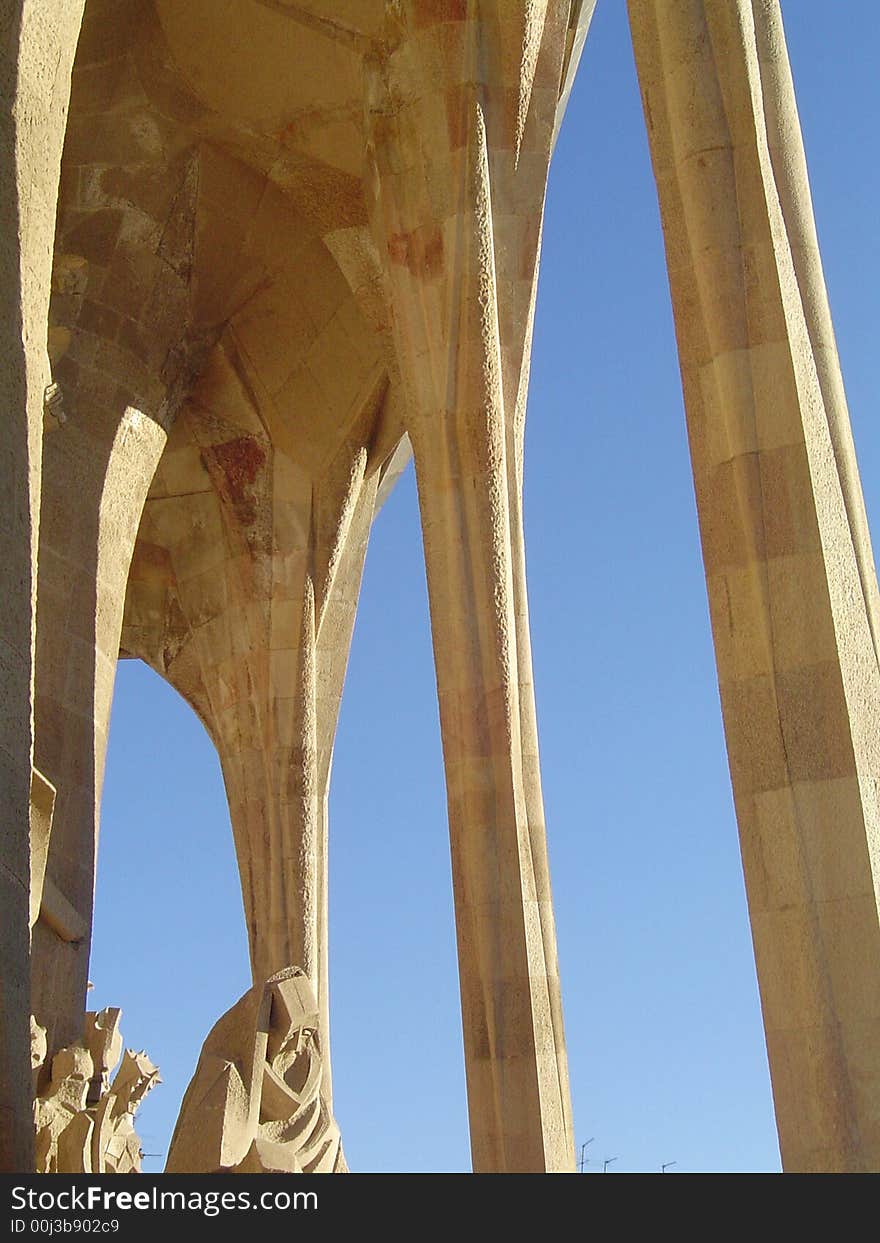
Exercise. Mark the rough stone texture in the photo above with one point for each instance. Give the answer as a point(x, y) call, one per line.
point(294, 243)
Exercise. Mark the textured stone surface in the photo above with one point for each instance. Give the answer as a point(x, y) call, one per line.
point(295, 243)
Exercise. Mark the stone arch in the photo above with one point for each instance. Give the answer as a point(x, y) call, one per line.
point(244, 585)
point(207, 291)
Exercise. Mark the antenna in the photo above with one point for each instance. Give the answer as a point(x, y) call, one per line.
point(583, 1161)
point(664, 1168)
point(606, 1163)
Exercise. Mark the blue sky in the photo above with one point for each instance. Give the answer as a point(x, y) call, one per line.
point(663, 1024)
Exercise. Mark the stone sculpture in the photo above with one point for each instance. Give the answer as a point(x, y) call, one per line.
point(63, 1127)
point(103, 1040)
point(287, 245)
point(255, 1104)
point(116, 1148)
point(84, 1124)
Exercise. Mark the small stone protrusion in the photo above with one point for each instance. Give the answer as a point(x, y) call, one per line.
point(53, 403)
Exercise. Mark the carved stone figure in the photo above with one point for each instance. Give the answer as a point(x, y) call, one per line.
point(62, 1121)
point(84, 1124)
point(255, 1104)
point(116, 1148)
point(103, 1040)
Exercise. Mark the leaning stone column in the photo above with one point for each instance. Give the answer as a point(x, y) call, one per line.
point(37, 42)
point(790, 576)
point(790, 173)
point(460, 120)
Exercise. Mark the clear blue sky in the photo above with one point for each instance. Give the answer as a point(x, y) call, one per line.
point(663, 1024)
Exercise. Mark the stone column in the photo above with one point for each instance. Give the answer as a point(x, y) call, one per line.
point(788, 564)
point(243, 595)
point(461, 112)
point(37, 43)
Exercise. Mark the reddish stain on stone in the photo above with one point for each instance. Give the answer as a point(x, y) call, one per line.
point(241, 461)
point(289, 134)
point(433, 12)
point(432, 253)
point(235, 466)
point(151, 563)
point(458, 98)
point(398, 247)
point(421, 251)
